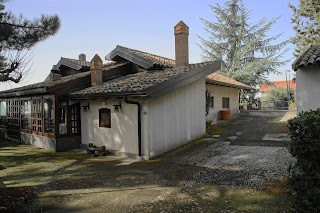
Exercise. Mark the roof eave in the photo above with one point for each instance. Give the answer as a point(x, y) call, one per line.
point(68, 63)
point(23, 93)
point(106, 95)
point(211, 81)
point(134, 58)
point(294, 64)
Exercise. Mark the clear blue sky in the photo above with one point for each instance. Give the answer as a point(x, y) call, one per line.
point(97, 26)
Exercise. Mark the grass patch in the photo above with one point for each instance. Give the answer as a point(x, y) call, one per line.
point(183, 148)
point(214, 129)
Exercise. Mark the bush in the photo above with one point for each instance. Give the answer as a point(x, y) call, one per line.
point(213, 129)
point(304, 175)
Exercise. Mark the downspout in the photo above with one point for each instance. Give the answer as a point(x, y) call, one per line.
point(139, 121)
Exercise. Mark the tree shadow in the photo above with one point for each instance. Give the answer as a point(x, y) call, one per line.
point(74, 183)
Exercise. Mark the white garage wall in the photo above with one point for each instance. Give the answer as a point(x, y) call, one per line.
point(308, 88)
point(177, 117)
point(123, 134)
point(218, 92)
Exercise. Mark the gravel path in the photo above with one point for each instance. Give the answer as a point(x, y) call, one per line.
point(243, 166)
point(243, 157)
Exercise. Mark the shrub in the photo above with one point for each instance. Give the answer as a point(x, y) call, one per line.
point(213, 129)
point(304, 175)
point(293, 105)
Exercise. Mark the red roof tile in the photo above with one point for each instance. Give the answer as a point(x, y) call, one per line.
point(277, 84)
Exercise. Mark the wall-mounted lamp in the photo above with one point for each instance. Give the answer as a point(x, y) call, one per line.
point(294, 80)
point(85, 107)
point(117, 107)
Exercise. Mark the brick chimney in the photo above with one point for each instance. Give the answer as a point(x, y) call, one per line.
point(181, 32)
point(96, 70)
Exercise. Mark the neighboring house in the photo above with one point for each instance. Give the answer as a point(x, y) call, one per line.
point(278, 84)
point(307, 67)
point(224, 94)
point(140, 104)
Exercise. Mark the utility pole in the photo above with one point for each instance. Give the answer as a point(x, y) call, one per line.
point(288, 86)
point(289, 81)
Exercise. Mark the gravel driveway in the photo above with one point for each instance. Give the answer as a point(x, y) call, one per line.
point(252, 152)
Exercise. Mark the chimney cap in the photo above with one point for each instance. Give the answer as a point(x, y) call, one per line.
point(82, 57)
point(96, 62)
point(180, 28)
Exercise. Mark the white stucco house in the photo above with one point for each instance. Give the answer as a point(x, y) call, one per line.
point(136, 103)
point(307, 67)
point(224, 94)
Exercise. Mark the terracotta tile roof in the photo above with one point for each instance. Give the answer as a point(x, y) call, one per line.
point(310, 56)
point(139, 81)
point(277, 84)
point(226, 81)
point(87, 63)
point(81, 63)
point(158, 60)
point(63, 80)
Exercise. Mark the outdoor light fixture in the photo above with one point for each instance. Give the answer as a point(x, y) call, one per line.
point(85, 107)
point(117, 107)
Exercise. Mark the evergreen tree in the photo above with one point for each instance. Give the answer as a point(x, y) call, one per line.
point(247, 54)
point(306, 20)
point(17, 34)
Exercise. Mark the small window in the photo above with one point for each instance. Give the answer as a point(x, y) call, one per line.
point(48, 115)
point(105, 118)
point(75, 119)
point(225, 103)
point(211, 102)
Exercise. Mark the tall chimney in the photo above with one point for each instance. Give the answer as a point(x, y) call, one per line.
point(96, 70)
point(181, 32)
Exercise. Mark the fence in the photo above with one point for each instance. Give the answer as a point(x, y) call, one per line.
point(274, 105)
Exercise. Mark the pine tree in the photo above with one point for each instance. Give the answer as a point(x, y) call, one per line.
point(18, 34)
point(306, 20)
point(247, 54)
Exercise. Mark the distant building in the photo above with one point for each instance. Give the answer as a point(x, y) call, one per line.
point(277, 84)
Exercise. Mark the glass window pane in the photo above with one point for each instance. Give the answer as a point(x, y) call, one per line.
point(49, 115)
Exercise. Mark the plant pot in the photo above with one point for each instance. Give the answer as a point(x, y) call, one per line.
point(224, 114)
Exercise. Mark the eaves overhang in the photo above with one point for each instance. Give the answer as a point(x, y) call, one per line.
point(219, 83)
point(23, 93)
point(68, 63)
point(132, 57)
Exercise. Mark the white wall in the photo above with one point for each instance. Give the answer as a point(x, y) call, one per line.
point(177, 117)
point(308, 88)
point(123, 134)
point(218, 92)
